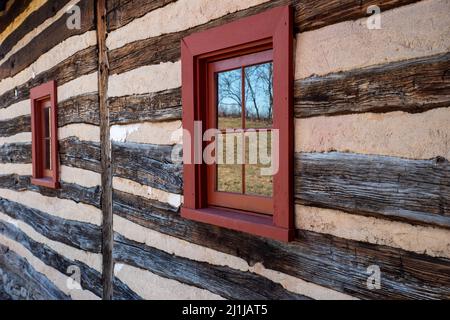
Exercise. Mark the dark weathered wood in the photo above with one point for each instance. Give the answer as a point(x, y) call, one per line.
point(14, 126)
point(90, 278)
point(47, 39)
point(224, 281)
point(36, 18)
point(20, 281)
point(120, 12)
point(79, 109)
point(147, 164)
point(80, 154)
point(310, 14)
point(15, 153)
point(410, 86)
point(325, 260)
point(81, 235)
point(159, 106)
point(105, 150)
point(11, 12)
point(417, 191)
point(81, 63)
point(66, 190)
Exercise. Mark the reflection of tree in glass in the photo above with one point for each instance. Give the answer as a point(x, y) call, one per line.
point(229, 93)
point(259, 92)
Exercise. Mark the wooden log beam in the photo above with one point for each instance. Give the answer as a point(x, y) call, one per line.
point(20, 281)
point(15, 153)
point(415, 191)
point(411, 86)
point(224, 281)
point(159, 106)
point(147, 164)
point(79, 109)
point(405, 275)
point(14, 126)
point(80, 154)
point(12, 12)
point(81, 63)
point(80, 235)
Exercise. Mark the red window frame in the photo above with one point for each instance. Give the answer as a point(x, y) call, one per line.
point(43, 96)
point(272, 29)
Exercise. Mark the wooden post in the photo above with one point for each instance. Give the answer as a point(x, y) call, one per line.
point(105, 145)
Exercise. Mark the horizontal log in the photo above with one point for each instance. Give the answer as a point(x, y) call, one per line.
point(35, 19)
point(14, 126)
point(66, 190)
point(147, 164)
point(79, 109)
point(81, 63)
point(119, 12)
point(159, 106)
point(416, 191)
point(325, 260)
point(81, 235)
point(12, 12)
point(410, 86)
point(74, 152)
point(20, 281)
point(90, 279)
point(15, 153)
point(224, 281)
point(309, 15)
point(47, 39)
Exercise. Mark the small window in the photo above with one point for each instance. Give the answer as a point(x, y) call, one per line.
point(44, 135)
point(237, 83)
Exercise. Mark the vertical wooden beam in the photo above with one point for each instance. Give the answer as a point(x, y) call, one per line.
point(105, 144)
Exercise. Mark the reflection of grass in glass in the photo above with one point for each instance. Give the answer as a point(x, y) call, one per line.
point(229, 176)
point(236, 122)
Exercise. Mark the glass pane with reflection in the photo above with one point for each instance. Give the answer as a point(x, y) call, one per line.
point(229, 99)
point(229, 156)
point(259, 95)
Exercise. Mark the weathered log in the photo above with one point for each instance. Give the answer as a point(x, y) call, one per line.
point(15, 125)
point(410, 86)
point(15, 153)
point(224, 281)
point(81, 63)
point(81, 235)
point(20, 281)
point(13, 11)
point(309, 15)
point(90, 278)
point(35, 19)
point(66, 190)
point(147, 164)
point(405, 275)
point(80, 154)
point(47, 39)
point(79, 109)
point(159, 106)
point(416, 191)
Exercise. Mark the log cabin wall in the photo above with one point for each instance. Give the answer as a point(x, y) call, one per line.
point(372, 144)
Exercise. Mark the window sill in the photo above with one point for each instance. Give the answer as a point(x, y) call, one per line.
point(259, 225)
point(45, 182)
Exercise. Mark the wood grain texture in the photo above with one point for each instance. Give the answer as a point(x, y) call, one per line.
point(309, 15)
point(159, 106)
point(411, 86)
point(325, 260)
point(81, 235)
point(147, 164)
point(15, 125)
point(15, 153)
point(91, 279)
point(70, 191)
point(121, 12)
point(36, 18)
point(20, 281)
point(81, 63)
point(47, 39)
point(16, 8)
point(224, 281)
point(79, 109)
point(74, 152)
point(416, 191)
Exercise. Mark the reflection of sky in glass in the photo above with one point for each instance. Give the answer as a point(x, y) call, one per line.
point(258, 96)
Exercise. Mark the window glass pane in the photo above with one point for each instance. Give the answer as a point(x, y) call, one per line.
point(258, 163)
point(229, 151)
point(46, 122)
point(47, 154)
point(229, 99)
point(258, 95)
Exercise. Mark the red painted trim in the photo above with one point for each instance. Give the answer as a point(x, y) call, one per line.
point(270, 29)
point(42, 92)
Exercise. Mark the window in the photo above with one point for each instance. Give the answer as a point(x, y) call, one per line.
point(44, 135)
point(237, 115)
